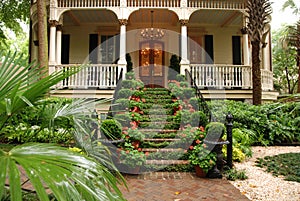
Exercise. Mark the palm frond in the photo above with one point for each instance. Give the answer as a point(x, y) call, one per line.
point(69, 175)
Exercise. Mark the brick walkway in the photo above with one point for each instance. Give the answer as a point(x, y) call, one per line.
point(162, 186)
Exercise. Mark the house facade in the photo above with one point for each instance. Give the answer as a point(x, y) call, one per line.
point(105, 35)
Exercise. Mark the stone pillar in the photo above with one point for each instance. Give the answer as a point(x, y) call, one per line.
point(245, 46)
point(122, 60)
point(184, 64)
point(58, 44)
point(52, 43)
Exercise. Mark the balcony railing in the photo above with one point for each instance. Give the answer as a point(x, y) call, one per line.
point(267, 79)
point(95, 76)
point(217, 76)
point(228, 76)
point(217, 4)
point(205, 4)
point(87, 3)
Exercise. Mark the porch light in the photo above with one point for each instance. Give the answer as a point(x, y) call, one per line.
point(152, 33)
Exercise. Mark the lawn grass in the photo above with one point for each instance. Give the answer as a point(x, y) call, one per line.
point(287, 165)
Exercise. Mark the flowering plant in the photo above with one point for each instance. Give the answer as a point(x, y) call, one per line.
point(202, 157)
point(132, 157)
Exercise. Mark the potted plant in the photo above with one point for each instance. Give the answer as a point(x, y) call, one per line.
point(202, 159)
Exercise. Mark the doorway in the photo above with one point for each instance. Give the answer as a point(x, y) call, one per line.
point(151, 57)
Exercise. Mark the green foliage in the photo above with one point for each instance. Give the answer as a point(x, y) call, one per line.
point(202, 157)
point(188, 92)
point(174, 67)
point(135, 134)
point(234, 174)
point(124, 93)
point(124, 119)
point(122, 104)
point(23, 134)
point(266, 124)
point(111, 128)
point(180, 78)
point(129, 62)
point(132, 157)
point(215, 130)
point(199, 119)
point(50, 165)
point(283, 164)
point(67, 174)
point(130, 75)
point(284, 62)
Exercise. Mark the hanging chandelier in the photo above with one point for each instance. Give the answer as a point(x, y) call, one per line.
point(152, 33)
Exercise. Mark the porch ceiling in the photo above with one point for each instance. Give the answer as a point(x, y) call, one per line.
point(161, 18)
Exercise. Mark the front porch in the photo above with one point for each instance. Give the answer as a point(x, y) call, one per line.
point(215, 81)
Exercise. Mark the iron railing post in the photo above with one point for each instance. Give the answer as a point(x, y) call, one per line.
point(229, 125)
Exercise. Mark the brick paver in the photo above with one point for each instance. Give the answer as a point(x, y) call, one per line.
point(163, 186)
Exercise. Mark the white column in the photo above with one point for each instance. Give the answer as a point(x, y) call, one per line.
point(58, 44)
point(122, 60)
point(265, 56)
point(184, 64)
point(52, 48)
point(245, 47)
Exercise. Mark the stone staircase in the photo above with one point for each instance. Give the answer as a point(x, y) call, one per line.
point(161, 127)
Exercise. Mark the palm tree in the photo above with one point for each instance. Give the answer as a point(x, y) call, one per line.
point(259, 12)
point(291, 4)
point(42, 34)
point(49, 168)
point(294, 40)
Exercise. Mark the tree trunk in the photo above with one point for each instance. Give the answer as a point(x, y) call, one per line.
point(256, 73)
point(42, 35)
point(298, 64)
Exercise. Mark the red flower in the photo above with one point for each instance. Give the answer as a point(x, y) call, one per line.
point(191, 147)
point(201, 128)
point(198, 141)
point(127, 151)
point(204, 146)
point(147, 153)
point(139, 149)
point(143, 100)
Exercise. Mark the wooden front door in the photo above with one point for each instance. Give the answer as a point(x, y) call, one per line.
point(152, 63)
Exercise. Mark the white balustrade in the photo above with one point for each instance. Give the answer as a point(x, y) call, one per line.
point(94, 75)
point(88, 3)
point(217, 4)
point(266, 79)
point(205, 4)
point(221, 76)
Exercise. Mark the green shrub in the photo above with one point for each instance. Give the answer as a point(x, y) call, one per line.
point(122, 104)
point(194, 101)
point(124, 93)
point(188, 92)
point(111, 128)
point(23, 133)
point(184, 84)
point(130, 75)
point(129, 84)
point(234, 174)
point(180, 78)
point(198, 119)
point(123, 119)
point(215, 130)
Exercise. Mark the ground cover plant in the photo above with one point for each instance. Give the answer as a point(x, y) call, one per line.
point(287, 165)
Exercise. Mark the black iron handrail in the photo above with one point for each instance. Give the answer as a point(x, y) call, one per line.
point(199, 95)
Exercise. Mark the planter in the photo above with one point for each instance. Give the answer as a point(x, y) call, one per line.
point(199, 171)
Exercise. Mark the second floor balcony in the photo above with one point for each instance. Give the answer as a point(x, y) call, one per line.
point(203, 4)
